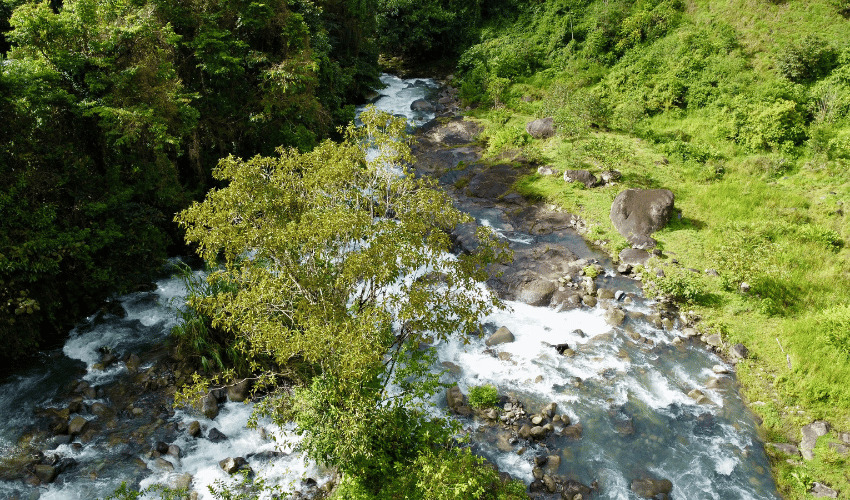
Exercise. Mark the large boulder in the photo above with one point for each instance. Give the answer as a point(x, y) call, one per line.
point(583, 176)
point(649, 487)
point(502, 336)
point(422, 105)
point(456, 402)
point(209, 406)
point(238, 392)
point(541, 128)
point(637, 213)
point(811, 433)
point(537, 292)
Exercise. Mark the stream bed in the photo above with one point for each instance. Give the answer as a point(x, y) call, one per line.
point(629, 397)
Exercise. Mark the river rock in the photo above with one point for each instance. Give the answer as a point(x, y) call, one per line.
point(238, 392)
point(524, 431)
point(632, 257)
point(133, 362)
point(637, 213)
point(739, 351)
point(537, 292)
point(209, 406)
point(651, 487)
point(456, 401)
point(811, 433)
point(231, 465)
point(77, 425)
point(720, 369)
point(174, 451)
point(46, 473)
point(216, 436)
point(820, 490)
point(162, 464)
point(502, 336)
point(713, 340)
point(537, 420)
point(549, 483)
point(605, 294)
point(180, 481)
point(194, 429)
point(582, 176)
point(549, 410)
point(422, 105)
point(541, 128)
point(614, 316)
point(538, 432)
point(573, 431)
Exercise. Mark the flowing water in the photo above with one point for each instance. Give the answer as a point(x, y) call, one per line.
point(630, 397)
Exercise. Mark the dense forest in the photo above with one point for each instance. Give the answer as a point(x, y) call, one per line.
point(116, 115)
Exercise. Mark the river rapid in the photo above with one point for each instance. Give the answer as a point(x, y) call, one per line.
point(629, 397)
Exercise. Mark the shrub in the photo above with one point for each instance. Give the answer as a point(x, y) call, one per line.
point(806, 60)
point(590, 272)
point(483, 396)
point(681, 285)
point(834, 325)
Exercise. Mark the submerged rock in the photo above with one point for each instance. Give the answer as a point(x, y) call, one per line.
point(502, 336)
point(652, 488)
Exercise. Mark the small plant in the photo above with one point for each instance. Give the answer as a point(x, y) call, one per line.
point(483, 396)
point(590, 271)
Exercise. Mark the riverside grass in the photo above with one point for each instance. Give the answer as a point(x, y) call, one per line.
point(766, 211)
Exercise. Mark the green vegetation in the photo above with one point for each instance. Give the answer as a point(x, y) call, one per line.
point(741, 109)
point(114, 114)
point(313, 251)
point(483, 396)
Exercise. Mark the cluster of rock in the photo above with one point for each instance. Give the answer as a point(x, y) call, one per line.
point(445, 103)
point(805, 449)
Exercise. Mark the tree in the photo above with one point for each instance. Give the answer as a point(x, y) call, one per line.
point(337, 262)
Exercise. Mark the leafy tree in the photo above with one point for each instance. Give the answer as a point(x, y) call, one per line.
point(335, 262)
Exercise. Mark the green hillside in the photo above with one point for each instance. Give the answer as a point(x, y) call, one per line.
point(742, 109)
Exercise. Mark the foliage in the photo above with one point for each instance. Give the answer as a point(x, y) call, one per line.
point(324, 255)
point(681, 285)
point(115, 113)
point(807, 59)
point(834, 323)
point(483, 396)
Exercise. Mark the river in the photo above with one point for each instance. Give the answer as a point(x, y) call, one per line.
point(631, 398)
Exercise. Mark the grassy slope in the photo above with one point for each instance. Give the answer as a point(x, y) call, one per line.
point(758, 215)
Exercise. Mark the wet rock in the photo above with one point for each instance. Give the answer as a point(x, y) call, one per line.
point(623, 269)
point(573, 431)
point(549, 410)
point(451, 367)
point(537, 432)
point(457, 402)
point(614, 316)
point(62, 439)
point(719, 369)
point(231, 465)
point(238, 392)
point(161, 448)
point(162, 464)
point(216, 436)
point(422, 105)
point(46, 473)
point(811, 433)
point(502, 336)
point(209, 406)
point(549, 483)
point(562, 349)
point(788, 449)
point(820, 490)
point(541, 128)
point(493, 182)
point(582, 176)
point(589, 301)
point(180, 482)
point(174, 451)
point(605, 294)
point(651, 487)
point(637, 213)
point(537, 292)
point(537, 420)
point(525, 431)
point(194, 429)
point(77, 425)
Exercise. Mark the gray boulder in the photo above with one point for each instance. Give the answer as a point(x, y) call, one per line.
point(422, 105)
point(651, 488)
point(209, 406)
point(537, 292)
point(632, 257)
point(77, 425)
point(456, 401)
point(547, 170)
point(610, 176)
point(820, 490)
point(502, 336)
point(615, 316)
point(583, 176)
point(811, 433)
point(231, 465)
point(216, 436)
point(739, 351)
point(788, 449)
point(541, 128)
point(637, 213)
point(238, 392)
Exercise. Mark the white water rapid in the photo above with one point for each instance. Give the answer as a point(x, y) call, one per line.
point(631, 398)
